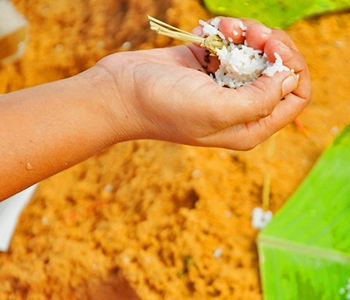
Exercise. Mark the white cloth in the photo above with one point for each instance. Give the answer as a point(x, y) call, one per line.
point(10, 211)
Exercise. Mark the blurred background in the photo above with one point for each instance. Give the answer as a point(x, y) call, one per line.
point(155, 220)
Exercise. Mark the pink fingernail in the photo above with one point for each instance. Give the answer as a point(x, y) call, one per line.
point(283, 45)
point(289, 84)
point(265, 30)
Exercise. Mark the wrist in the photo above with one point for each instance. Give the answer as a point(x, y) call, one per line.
point(114, 84)
point(103, 91)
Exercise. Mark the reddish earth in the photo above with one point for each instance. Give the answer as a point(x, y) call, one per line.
point(155, 220)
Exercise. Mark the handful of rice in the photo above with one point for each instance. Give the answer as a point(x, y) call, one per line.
point(239, 64)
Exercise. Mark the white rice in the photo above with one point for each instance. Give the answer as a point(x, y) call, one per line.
point(240, 64)
point(212, 29)
point(260, 218)
point(215, 22)
point(241, 25)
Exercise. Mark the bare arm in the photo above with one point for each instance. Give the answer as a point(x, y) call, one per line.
point(48, 128)
point(155, 94)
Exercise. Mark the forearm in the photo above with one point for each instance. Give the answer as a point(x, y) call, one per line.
point(51, 127)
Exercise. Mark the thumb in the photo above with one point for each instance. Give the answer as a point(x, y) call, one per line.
point(289, 84)
point(258, 100)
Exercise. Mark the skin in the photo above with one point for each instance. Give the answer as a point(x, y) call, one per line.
point(154, 94)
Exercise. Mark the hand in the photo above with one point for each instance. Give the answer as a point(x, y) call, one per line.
point(167, 95)
point(162, 94)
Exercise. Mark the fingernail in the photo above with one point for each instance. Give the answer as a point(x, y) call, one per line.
point(284, 46)
point(197, 31)
point(289, 84)
point(265, 30)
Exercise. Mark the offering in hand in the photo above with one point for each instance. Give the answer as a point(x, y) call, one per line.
point(239, 64)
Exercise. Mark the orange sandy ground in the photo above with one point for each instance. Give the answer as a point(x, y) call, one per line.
point(145, 218)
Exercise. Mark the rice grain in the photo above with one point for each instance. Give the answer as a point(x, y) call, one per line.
point(240, 64)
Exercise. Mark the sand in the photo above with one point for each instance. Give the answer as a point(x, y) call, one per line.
point(155, 220)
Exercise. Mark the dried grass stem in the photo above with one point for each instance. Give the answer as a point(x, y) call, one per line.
point(211, 42)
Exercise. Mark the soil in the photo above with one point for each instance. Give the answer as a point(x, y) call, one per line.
point(155, 220)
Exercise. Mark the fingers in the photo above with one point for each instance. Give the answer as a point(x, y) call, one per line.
point(293, 60)
point(254, 32)
point(208, 62)
point(270, 41)
point(235, 28)
point(249, 103)
point(240, 30)
point(254, 119)
point(257, 35)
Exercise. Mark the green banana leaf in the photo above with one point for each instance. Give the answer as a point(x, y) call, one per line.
point(304, 251)
point(275, 13)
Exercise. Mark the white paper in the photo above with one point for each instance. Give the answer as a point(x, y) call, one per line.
point(10, 211)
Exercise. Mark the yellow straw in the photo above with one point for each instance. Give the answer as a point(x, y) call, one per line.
point(211, 42)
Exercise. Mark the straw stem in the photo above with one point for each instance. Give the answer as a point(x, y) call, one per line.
point(211, 42)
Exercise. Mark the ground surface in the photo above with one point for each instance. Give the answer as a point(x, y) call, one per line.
point(154, 219)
